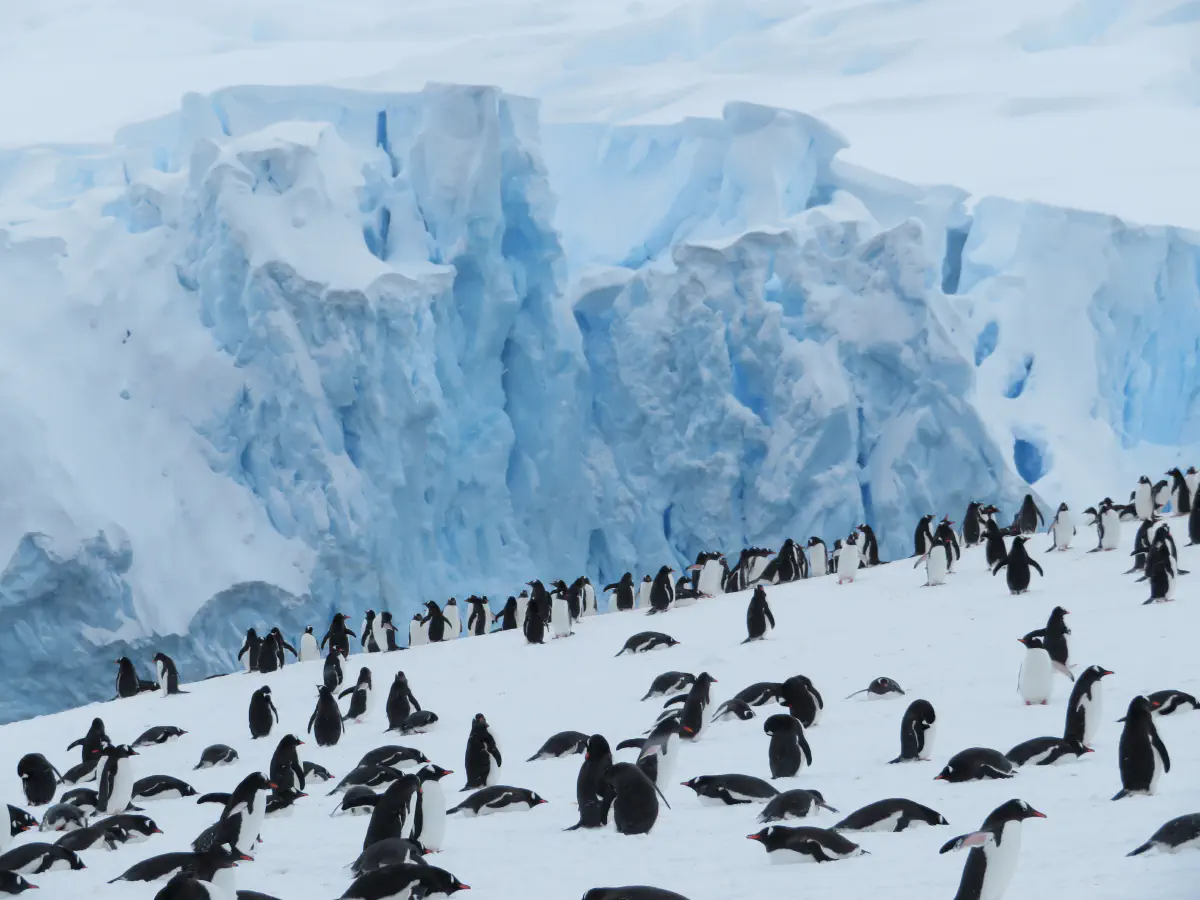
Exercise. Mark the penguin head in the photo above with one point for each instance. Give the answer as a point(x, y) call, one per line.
point(433, 772)
point(1058, 612)
point(1013, 811)
point(20, 820)
point(1139, 707)
point(772, 837)
point(1032, 641)
point(290, 740)
point(1144, 480)
point(947, 773)
point(1096, 672)
point(118, 751)
point(264, 691)
point(364, 676)
point(13, 883)
point(439, 881)
point(1078, 748)
point(400, 677)
point(416, 617)
point(479, 721)
point(597, 746)
point(308, 629)
point(452, 602)
point(696, 784)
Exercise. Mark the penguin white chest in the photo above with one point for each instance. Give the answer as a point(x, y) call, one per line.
point(560, 617)
point(847, 563)
point(1112, 530)
point(1064, 530)
point(433, 815)
point(416, 634)
point(1037, 676)
point(308, 648)
point(455, 627)
point(816, 562)
point(710, 578)
point(1091, 709)
point(1001, 862)
point(926, 751)
point(936, 567)
point(122, 787)
point(1158, 769)
point(162, 678)
point(643, 595)
point(379, 633)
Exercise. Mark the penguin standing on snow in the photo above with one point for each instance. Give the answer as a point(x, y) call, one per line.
point(560, 612)
point(1181, 494)
point(657, 756)
point(309, 650)
point(263, 714)
point(249, 652)
point(1160, 568)
point(39, 778)
point(994, 848)
point(168, 675)
point(917, 730)
point(937, 563)
point(789, 750)
point(848, 559)
point(481, 752)
point(128, 683)
point(758, 615)
point(1143, 498)
point(1142, 754)
point(972, 529)
point(338, 636)
point(870, 546)
point(1018, 564)
point(662, 591)
point(116, 779)
point(535, 627)
point(331, 672)
point(1036, 681)
point(480, 619)
point(994, 550)
point(923, 536)
point(400, 702)
point(1108, 526)
point(632, 798)
point(388, 627)
point(945, 534)
point(436, 624)
point(360, 696)
point(429, 826)
point(1084, 706)
point(1062, 528)
point(1054, 638)
point(325, 723)
point(367, 630)
point(508, 615)
point(453, 622)
point(590, 783)
point(818, 557)
point(802, 699)
point(623, 592)
point(418, 633)
point(1028, 517)
point(643, 592)
point(286, 772)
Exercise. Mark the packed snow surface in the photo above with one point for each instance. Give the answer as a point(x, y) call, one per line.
point(954, 646)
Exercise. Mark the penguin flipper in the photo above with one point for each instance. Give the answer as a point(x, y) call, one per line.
point(1149, 845)
point(974, 839)
point(1121, 794)
point(1037, 565)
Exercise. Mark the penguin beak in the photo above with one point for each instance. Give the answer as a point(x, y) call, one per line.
point(753, 837)
point(461, 886)
point(1036, 814)
point(1104, 672)
point(271, 785)
point(246, 858)
point(1088, 750)
point(1155, 704)
point(939, 777)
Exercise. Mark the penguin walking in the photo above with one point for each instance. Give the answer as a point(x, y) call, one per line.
point(325, 723)
point(1036, 681)
point(116, 779)
point(418, 633)
point(818, 557)
point(923, 536)
point(338, 636)
point(429, 827)
point(623, 592)
point(436, 623)
point(847, 560)
point(249, 652)
point(632, 798)
point(945, 534)
point(360, 696)
point(917, 730)
point(128, 683)
point(1143, 757)
point(453, 622)
point(994, 850)
point(263, 714)
point(1028, 517)
point(1062, 529)
point(479, 622)
point(590, 784)
point(994, 550)
point(286, 772)
point(789, 750)
point(481, 752)
point(758, 616)
point(309, 651)
point(870, 546)
point(168, 675)
point(1018, 563)
point(937, 563)
point(400, 702)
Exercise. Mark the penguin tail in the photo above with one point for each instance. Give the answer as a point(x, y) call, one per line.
point(856, 693)
point(1142, 849)
point(1121, 794)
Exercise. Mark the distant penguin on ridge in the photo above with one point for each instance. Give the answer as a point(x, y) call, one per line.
point(168, 675)
point(923, 536)
point(623, 593)
point(1029, 516)
point(249, 652)
point(309, 651)
point(818, 557)
point(848, 560)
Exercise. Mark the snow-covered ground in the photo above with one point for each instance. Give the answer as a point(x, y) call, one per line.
point(1081, 103)
point(953, 645)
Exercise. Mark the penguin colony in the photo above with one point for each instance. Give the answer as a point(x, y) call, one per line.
point(402, 795)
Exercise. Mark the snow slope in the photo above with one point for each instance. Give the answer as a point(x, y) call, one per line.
point(954, 645)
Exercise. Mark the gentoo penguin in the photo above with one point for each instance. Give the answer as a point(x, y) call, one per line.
point(331, 672)
point(1036, 680)
point(691, 719)
point(632, 797)
point(430, 819)
point(1045, 751)
point(937, 563)
point(273, 646)
point(645, 641)
point(734, 708)
point(879, 688)
point(994, 550)
point(479, 621)
point(994, 849)
point(713, 571)
point(1181, 833)
point(141, 828)
point(395, 811)
point(203, 864)
point(1108, 526)
point(507, 620)
point(158, 734)
point(643, 592)
point(534, 625)
point(63, 817)
point(788, 565)
point(418, 722)
point(1142, 754)
point(37, 857)
point(161, 787)
point(945, 534)
point(128, 683)
point(1029, 516)
point(564, 743)
point(976, 764)
point(249, 652)
point(316, 772)
point(497, 798)
point(802, 699)
point(631, 892)
point(1054, 638)
point(385, 630)
point(367, 630)
point(184, 885)
point(93, 742)
point(453, 622)
point(325, 723)
point(923, 536)
point(972, 529)
point(847, 560)
point(39, 778)
point(804, 844)
point(370, 775)
point(360, 696)
point(1143, 498)
point(917, 730)
point(761, 693)
point(895, 814)
point(338, 636)
point(358, 800)
point(1017, 565)
point(1062, 528)
point(116, 779)
point(12, 883)
point(101, 836)
point(793, 804)
point(1169, 702)
point(658, 752)
point(400, 701)
point(624, 593)
point(730, 790)
point(758, 616)
point(285, 771)
point(480, 753)
point(870, 546)
point(216, 755)
point(168, 675)
point(242, 816)
point(662, 591)
point(818, 557)
point(418, 633)
point(19, 821)
point(590, 784)
point(560, 612)
point(789, 750)
point(263, 714)
point(83, 772)
point(309, 650)
point(1192, 478)
point(1160, 568)
point(1194, 524)
point(437, 625)
point(1141, 545)
point(403, 880)
point(670, 683)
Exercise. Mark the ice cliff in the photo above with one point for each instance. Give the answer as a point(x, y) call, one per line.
point(289, 351)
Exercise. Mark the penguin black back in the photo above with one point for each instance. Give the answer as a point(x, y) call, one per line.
point(325, 724)
point(590, 783)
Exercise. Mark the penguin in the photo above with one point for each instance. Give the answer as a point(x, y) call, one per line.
point(847, 560)
point(309, 651)
point(645, 641)
point(560, 612)
point(263, 714)
point(631, 892)
point(370, 775)
point(161, 787)
point(82, 772)
point(972, 529)
point(270, 654)
point(643, 592)
point(37, 857)
point(879, 688)
point(331, 672)
point(670, 683)
point(1192, 478)
point(758, 616)
point(761, 693)
point(385, 630)
point(116, 779)
point(360, 696)
point(623, 593)
point(789, 750)
point(802, 699)
point(1143, 498)
point(976, 764)
point(1017, 564)
point(1194, 524)
point(994, 550)
point(1143, 757)
point(199, 867)
point(1180, 833)
point(1029, 516)
point(367, 630)
point(358, 801)
point(285, 771)
point(793, 804)
point(691, 720)
point(1036, 680)
point(730, 790)
point(395, 811)
point(325, 723)
point(1054, 637)
point(437, 625)
point(587, 596)
point(1161, 491)
point(453, 622)
point(497, 798)
point(93, 742)
point(418, 722)
point(400, 702)
point(1169, 702)
point(39, 779)
point(430, 819)
point(338, 636)
point(63, 817)
point(738, 709)
point(788, 565)
point(249, 652)
point(1108, 528)
point(937, 563)
point(417, 631)
point(12, 883)
point(945, 534)
point(917, 730)
point(479, 621)
point(714, 570)
point(1045, 751)
point(994, 849)
point(658, 751)
point(632, 798)
point(564, 743)
point(99, 836)
point(216, 755)
point(1160, 569)
point(168, 675)
point(159, 734)
point(818, 557)
point(834, 555)
point(1062, 528)
point(804, 844)
point(242, 816)
point(480, 753)
point(140, 828)
point(535, 625)
point(662, 591)
point(923, 536)
point(85, 798)
point(590, 783)
point(128, 683)
point(507, 620)
point(19, 821)
point(870, 546)
point(402, 881)
point(1141, 545)
point(895, 815)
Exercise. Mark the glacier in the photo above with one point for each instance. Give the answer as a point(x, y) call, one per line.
point(293, 350)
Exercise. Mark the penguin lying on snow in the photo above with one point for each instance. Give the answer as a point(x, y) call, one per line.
point(670, 683)
point(644, 641)
point(1180, 833)
point(730, 790)
point(632, 892)
point(1046, 751)
point(394, 756)
point(37, 857)
point(12, 883)
point(794, 804)
point(403, 880)
point(804, 844)
point(895, 814)
point(880, 687)
point(735, 708)
point(216, 755)
point(388, 852)
point(565, 743)
point(976, 764)
point(1166, 703)
point(497, 798)
point(159, 734)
